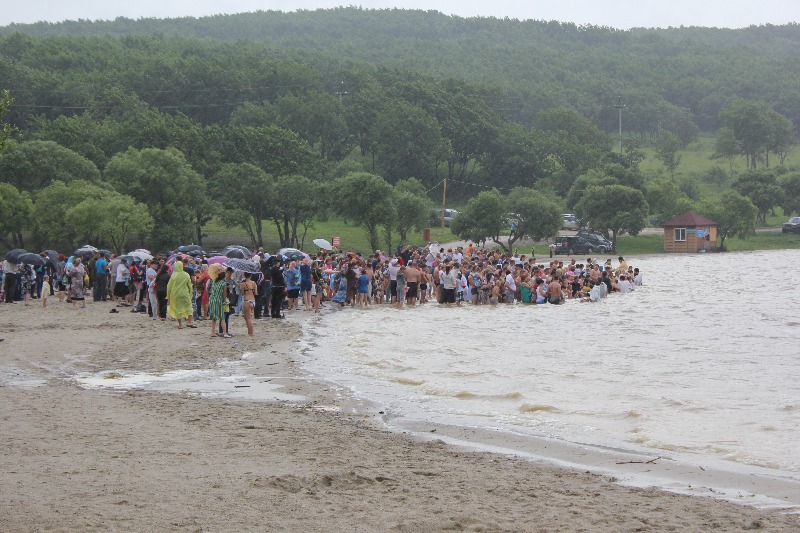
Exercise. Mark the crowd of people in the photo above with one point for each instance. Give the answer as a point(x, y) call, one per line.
point(188, 289)
point(415, 276)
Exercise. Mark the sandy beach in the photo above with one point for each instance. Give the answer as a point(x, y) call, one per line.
point(96, 459)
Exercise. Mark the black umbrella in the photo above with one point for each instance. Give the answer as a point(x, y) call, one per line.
point(236, 253)
point(104, 252)
point(31, 258)
point(52, 258)
point(244, 249)
point(13, 255)
point(86, 251)
point(196, 253)
point(243, 266)
point(292, 253)
point(190, 248)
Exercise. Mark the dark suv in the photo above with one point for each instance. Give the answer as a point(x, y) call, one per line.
point(599, 243)
point(572, 245)
point(791, 226)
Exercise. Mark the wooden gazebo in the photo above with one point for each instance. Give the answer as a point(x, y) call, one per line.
point(690, 232)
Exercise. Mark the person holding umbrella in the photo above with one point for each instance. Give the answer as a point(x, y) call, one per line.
point(217, 300)
point(278, 288)
point(28, 283)
point(10, 283)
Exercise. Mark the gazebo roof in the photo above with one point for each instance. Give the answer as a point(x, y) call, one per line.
point(690, 218)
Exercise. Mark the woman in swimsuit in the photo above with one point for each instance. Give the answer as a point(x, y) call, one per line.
point(249, 292)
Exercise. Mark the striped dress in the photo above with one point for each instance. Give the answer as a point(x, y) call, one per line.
point(216, 301)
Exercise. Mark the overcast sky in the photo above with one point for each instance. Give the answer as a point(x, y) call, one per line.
point(622, 14)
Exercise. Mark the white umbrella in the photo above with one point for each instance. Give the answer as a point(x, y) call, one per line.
point(140, 256)
point(322, 243)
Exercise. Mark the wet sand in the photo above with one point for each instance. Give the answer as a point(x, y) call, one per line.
point(97, 459)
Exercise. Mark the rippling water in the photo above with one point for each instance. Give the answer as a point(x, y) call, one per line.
point(703, 359)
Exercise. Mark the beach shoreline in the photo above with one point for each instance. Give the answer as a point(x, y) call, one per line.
point(77, 458)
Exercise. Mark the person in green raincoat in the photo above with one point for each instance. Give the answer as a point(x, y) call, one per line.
point(179, 296)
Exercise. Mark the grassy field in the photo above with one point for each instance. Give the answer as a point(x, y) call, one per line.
point(351, 237)
point(696, 163)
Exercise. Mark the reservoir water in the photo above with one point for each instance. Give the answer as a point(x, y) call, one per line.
point(702, 361)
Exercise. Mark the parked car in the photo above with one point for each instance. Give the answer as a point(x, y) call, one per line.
point(570, 222)
point(572, 245)
point(600, 243)
point(791, 226)
point(449, 215)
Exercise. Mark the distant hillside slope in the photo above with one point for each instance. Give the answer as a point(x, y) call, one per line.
point(665, 77)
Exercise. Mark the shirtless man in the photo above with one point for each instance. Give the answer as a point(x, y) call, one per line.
point(413, 277)
point(556, 295)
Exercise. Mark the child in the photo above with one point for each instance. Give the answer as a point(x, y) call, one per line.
point(363, 288)
point(45, 291)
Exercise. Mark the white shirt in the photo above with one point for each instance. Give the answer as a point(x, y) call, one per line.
point(510, 282)
point(122, 273)
point(625, 286)
point(394, 268)
point(594, 294)
point(638, 280)
point(151, 277)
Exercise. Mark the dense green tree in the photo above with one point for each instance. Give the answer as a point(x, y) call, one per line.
point(277, 151)
point(536, 216)
point(782, 137)
point(408, 142)
point(571, 139)
point(33, 165)
point(665, 200)
point(726, 146)
point(5, 128)
point(320, 119)
point(16, 209)
point(296, 200)
point(51, 225)
point(790, 199)
point(761, 187)
point(592, 178)
point(112, 219)
point(613, 209)
point(667, 151)
point(484, 217)
point(757, 130)
point(365, 199)
point(516, 158)
point(165, 182)
point(246, 193)
point(412, 207)
point(735, 214)
point(83, 134)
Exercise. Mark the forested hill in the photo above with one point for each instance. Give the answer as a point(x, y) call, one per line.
point(670, 78)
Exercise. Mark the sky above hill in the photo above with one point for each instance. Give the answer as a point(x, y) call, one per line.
point(621, 14)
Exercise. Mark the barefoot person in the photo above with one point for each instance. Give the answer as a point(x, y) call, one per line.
point(413, 277)
point(76, 275)
point(249, 291)
point(216, 302)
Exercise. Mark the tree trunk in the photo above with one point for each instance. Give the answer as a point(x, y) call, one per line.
point(372, 231)
point(502, 245)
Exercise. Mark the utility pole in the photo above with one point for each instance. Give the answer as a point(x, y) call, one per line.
point(620, 106)
point(444, 199)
